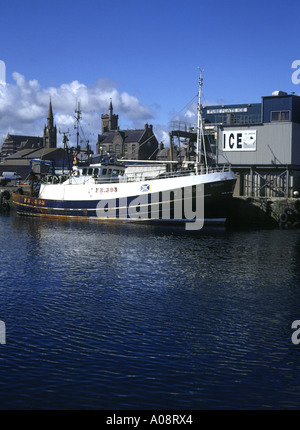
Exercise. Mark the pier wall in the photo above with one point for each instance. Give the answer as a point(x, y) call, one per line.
point(263, 212)
point(5, 199)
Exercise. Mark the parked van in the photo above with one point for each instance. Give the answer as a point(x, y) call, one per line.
point(8, 177)
point(11, 175)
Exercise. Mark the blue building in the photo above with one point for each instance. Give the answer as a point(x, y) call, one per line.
point(261, 142)
point(281, 107)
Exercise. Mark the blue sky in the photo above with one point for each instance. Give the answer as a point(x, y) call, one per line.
point(143, 55)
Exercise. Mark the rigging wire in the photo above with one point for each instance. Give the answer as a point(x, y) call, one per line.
point(186, 106)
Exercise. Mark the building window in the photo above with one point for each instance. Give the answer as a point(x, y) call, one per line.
point(280, 115)
point(118, 148)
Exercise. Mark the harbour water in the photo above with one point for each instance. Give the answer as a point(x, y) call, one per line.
point(118, 316)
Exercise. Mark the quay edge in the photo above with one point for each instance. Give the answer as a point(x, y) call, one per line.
point(263, 212)
point(5, 198)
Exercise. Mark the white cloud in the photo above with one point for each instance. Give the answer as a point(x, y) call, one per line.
point(24, 106)
point(190, 114)
point(164, 137)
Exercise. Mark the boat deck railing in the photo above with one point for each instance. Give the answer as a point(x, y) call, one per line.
point(133, 177)
point(139, 177)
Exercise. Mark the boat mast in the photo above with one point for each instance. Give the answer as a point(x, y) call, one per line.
point(65, 142)
point(200, 142)
point(76, 126)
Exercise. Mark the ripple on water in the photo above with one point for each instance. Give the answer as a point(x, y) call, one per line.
point(118, 316)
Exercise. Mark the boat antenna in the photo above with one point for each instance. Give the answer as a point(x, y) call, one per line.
point(200, 143)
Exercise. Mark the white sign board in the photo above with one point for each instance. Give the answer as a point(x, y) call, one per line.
point(227, 110)
point(239, 140)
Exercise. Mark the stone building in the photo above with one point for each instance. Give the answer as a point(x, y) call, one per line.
point(137, 144)
point(17, 151)
point(14, 143)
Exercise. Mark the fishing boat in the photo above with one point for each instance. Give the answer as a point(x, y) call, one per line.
point(106, 191)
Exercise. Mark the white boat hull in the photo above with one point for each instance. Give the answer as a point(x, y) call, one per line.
point(166, 200)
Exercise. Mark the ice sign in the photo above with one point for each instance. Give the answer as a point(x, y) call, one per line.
point(2, 73)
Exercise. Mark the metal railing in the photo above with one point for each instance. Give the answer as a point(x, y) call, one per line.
point(134, 177)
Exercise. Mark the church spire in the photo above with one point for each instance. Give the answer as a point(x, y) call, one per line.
point(49, 139)
point(50, 116)
point(110, 115)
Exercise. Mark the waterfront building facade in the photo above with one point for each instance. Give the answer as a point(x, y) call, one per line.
point(261, 142)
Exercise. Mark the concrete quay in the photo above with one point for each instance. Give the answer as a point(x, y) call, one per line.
point(264, 212)
point(5, 198)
